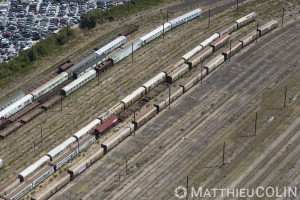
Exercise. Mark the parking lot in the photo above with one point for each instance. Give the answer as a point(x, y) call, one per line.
point(27, 22)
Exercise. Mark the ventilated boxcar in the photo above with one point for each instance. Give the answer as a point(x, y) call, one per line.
point(214, 63)
point(173, 66)
point(52, 187)
point(85, 162)
point(246, 19)
point(267, 27)
point(156, 80)
point(235, 47)
point(189, 82)
point(209, 40)
point(250, 37)
point(191, 53)
point(199, 57)
point(133, 97)
point(176, 74)
point(144, 116)
point(229, 29)
point(117, 137)
point(175, 93)
point(116, 109)
point(220, 42)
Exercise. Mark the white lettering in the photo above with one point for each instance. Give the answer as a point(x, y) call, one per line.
point(268, 190)
point(230, 192)
point(252, 193)
point(222, 192)
point(215, 192)
point(206, 193)
point(257, 190)
point(277, 192)
point(243, 192)
point(197, 193)
point(293, 192)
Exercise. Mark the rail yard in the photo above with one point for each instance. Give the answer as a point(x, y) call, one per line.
point(110, 133)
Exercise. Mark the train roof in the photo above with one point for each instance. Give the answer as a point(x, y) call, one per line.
point(34, 167)
point(49, 83)
point(155, 31)
point(15, 105)
point(61, 147)
point(112, 43)
point(80, 79)
point(210, 39)
point(196, 11)
point(85, 130)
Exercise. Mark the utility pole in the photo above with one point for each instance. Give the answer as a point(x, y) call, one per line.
point(132, 52)
point(208, 18)
point(187, 187)
point(126, 166)
point(256, 31)
point(223, 154)
point(201, 72)
point(282, 16)
point(61, 106)
point(98, 78)
point(167, 15)
point(128, 7)
point(169, 96)
point(237, 5)
point(134, 125)
point(285, 97)
point(32, 53)
point(42, 135)
point(230, 51)
point(163, 33)
point(255, 123)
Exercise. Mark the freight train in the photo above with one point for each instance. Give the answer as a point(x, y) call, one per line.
point(126, 51)
point(65, 70)
point(145, 114)
point(87, 135)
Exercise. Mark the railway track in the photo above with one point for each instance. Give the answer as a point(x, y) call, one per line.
point(179, 150)
point(141, 102)
point(33, 110)
point(111, 176)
